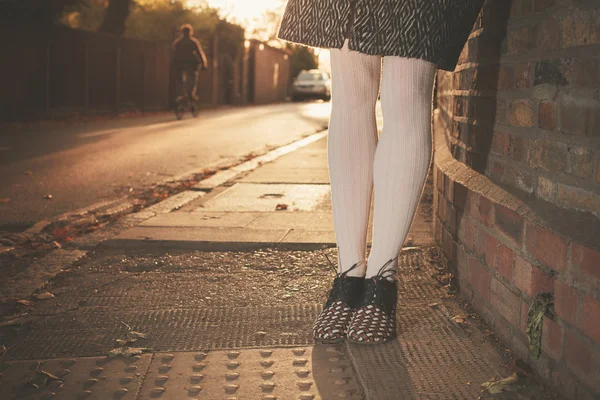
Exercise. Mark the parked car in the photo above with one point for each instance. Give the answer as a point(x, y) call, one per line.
point(313, 84)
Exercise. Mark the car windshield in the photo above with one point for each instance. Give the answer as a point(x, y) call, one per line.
point(310, 76)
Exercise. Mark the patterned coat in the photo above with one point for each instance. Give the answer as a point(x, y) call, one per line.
point(432, 30)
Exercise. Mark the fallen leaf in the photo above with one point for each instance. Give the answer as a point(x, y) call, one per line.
point(133, 335)
point(49, 375)
point(58, 245)
point(60, 233)
point(127, 351)
point(281, 207)
point(25, 303)
point(459, 319)
point(434, 304)
point(506, 384)
point(44, 296)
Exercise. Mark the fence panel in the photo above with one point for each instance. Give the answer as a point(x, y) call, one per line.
point(102, 71)
point(66, 70)
point(132, 84)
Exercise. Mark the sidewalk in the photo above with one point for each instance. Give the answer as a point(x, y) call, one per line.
point(225, 289)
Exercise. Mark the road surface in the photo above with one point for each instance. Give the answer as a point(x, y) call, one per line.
point(83, 164)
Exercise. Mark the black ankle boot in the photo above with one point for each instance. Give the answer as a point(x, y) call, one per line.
point(332, 323)
point(374, 320)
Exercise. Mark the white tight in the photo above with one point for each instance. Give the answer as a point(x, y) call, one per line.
point(395, 165)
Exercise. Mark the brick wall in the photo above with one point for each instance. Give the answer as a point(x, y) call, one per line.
point(525, 111)
point(518, 181)
point(271, 73)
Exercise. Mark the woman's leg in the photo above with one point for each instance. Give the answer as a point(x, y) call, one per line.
point(402, 157)
point(351, 148)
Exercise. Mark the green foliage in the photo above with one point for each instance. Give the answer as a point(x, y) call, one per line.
point(160, 20)
point(35, 12)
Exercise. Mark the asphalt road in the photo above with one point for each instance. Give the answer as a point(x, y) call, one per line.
point(82, 164)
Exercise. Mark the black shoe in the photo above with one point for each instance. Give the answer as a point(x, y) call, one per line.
point(332, 323)
point(374, 320)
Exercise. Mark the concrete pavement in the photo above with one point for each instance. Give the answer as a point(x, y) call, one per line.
point(218, 294)
point(285, 202)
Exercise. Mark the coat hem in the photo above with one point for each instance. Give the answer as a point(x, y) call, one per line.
point(352, 47)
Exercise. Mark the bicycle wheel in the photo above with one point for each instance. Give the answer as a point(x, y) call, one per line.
point(179, 110)
point(194, 109)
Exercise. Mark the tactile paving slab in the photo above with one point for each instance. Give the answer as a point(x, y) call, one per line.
point(94, 333)
point(320, 372)
point(304, 373)
point(433, 357)
point(93, 378)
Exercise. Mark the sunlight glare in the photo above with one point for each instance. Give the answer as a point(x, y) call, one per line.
point(242, 10)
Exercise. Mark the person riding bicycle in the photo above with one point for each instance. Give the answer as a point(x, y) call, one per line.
point(188, 60)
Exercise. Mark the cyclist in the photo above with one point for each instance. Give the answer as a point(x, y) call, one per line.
point(188, 60)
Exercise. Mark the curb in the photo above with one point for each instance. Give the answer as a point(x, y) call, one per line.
point(37, 275)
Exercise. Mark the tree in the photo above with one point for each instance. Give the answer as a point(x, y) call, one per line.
point(43, 13)
point(115, 17)
point(302, 58)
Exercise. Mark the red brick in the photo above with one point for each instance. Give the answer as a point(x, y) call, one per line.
point(552, 338)
point(566, 302)
point(581, 161)
point(507, 303)
point(451, 219)
point(486, 211)
point(518, 148)
point(518, 40)
point(548, 34)
point(447, 244)
point(468, 233)
point(460, 196)
point(491, 251)
point(506, 262)
point(586, 261)
point(439, 180)
point(518, 177)
point(575, 118)
point(500, 143)
point(531, 280)
point(580, 28)
point(523, 72)
point(548, 155)
point(506, 77)
point(509, 222)
point(497, 169)
point(448, 188)
point(441, 208)
point(577, 353)
point(547, 115)
point(472, 205)
point(479, 278)
point(590, 321)
point(547, 247)
point(479, 242)
point(577, 198)
point(586, 73)
point(520, 113)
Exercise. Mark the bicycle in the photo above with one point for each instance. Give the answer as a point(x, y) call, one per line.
point(187, 101)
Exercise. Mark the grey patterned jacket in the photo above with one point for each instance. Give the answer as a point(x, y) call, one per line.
point(432, 30)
